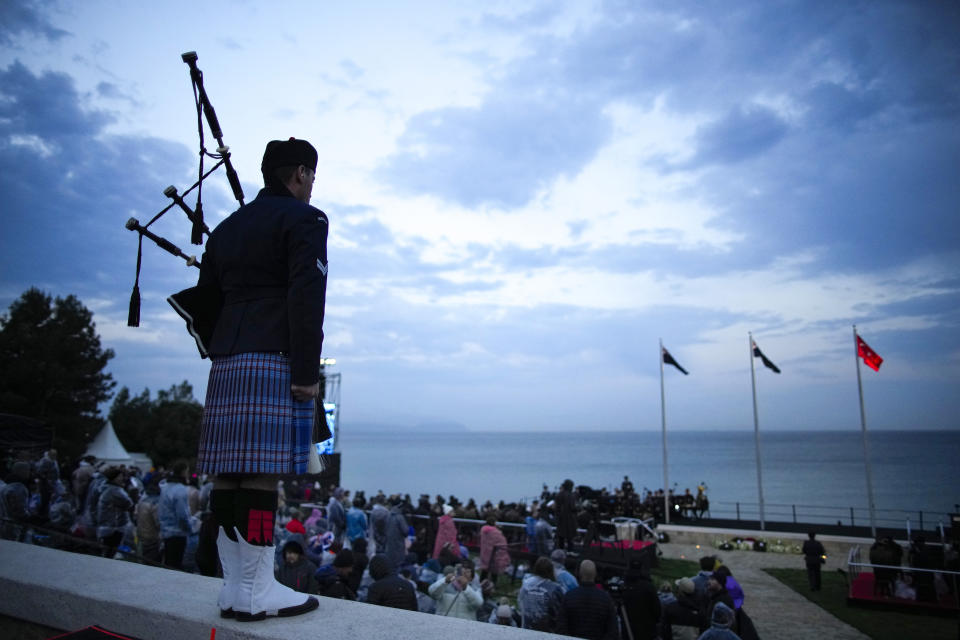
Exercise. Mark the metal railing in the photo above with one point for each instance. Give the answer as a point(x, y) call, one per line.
point(819, 514)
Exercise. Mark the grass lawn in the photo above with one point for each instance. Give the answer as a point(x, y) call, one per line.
point(670, 570)
point(879, 625)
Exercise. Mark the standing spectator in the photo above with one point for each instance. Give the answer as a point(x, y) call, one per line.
point(173, 514)
point(14, 496)
point(336, 516)
point(565, 506)
point(494, 558)
point(544, 534)
point(396, 544)
point(446, 533)
point(148, 525)
point(455, 594)
point(48, 472)
point(564, 578)
point(589, 612)
point(530, 528)
point(813, 557)
point(389, 589)
point(80, 479)
point(89, 519)
point(540, 598)
point(641, 604)
point(379, 515)
point(356, 522)
point(113, 511)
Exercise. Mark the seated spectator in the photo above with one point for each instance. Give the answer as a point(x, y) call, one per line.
point(333, 579)
point(360, 562)
point(721, 619)
point(733, 587)
point(588, 612)
point(684, 619)
point(717, 594)
point(564, 578)
point(504, 614)
point(904, 588)
point(455, 594)
point(540, 598)
point(389, 589)
point(707, 563)
point(295, 525)
point(316, 523)
point(296, 571)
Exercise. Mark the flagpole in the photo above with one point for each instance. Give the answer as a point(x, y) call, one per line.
point(866, 443)
point(663, 421)
point(756, 432)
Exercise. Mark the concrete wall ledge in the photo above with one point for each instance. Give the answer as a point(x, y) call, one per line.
point(70, 591)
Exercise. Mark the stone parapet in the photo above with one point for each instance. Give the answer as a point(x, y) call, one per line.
point(70, 591)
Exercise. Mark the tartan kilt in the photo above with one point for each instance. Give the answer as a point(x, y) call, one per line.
point(251, 423)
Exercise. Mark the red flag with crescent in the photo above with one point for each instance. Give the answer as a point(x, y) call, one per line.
point(870, 357)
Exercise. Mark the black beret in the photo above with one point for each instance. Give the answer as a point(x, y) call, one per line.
point(288, 153)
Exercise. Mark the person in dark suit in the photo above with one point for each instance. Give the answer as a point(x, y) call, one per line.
point(813, 557)
point(267, 262)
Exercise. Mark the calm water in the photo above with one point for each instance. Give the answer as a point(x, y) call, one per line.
point(912, 471)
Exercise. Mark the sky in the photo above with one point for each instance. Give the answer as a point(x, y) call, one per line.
point(524, 198)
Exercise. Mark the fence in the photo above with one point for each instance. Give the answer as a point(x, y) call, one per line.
point(844, 516)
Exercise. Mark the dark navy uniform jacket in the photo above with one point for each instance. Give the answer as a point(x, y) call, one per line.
point(269, 260)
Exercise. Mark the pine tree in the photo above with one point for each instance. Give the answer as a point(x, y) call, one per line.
point(52, 367)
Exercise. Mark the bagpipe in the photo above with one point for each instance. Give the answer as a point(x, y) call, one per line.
point(197, 307)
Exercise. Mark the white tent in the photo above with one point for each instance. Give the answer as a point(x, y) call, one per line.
point(107, 447)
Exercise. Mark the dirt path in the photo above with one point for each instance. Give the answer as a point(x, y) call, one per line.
point(778, 612)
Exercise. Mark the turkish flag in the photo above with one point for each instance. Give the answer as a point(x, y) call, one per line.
point(870, 357)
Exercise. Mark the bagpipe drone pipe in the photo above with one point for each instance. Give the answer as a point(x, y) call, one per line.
point(199, 308)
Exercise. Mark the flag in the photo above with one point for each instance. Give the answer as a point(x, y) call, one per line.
point(668, 359)
point(870, 357)
point(766, 361)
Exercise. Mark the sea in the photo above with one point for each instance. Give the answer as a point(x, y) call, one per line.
point(813, 476)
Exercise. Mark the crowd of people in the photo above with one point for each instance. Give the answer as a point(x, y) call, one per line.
point(383, 550)
point(921, 580)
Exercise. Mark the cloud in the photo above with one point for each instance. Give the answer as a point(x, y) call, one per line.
point(24, 18)
point(741, 134)
point(500, 154)
point(69, 187)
